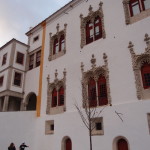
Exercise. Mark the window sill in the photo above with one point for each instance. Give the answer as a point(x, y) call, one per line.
point(140, 16)
point(59, 54)
point(57, 110)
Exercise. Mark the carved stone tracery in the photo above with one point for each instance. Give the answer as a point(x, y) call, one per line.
point(52, 39)
point(56, 84)
point(137, 63)
point(94, 73)
point(91, 16)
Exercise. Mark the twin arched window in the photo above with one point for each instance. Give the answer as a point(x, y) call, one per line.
point(97, 92)
point(93, 30)
point(59, 44)
point(57, 97)
point(145, 72)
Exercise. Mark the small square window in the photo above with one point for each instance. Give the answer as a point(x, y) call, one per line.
point(20, 58)
point(4, 59)
point(17, 79)
point(49, 127)
point(1, 81)
point(35, 38)
point(97, 126)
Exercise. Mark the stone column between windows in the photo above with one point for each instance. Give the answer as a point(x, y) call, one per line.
point(6, 101)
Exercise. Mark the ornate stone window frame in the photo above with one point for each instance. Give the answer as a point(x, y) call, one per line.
point(91, 16)
point(52, 39)
point(137, 62)
point(94, 73)
point(133, 19)
point(57, 83)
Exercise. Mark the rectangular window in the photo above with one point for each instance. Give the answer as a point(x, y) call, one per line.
point(38, 58)
point(97, 126)
point(49, 127)
point(4, 59)
point(20, 58)
point(35, 38)
point(17, 79)
point(1, 80)
point(31, 61)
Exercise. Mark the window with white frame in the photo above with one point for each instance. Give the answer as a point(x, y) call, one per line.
point(20, 58)
point(17, 79)
point(4, 59)
point(1, 80)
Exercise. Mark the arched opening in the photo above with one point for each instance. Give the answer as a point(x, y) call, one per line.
point(122, 144)
point(31, 102)
point(66, 143)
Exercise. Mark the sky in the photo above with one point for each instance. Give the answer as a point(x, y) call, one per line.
point(17, 16)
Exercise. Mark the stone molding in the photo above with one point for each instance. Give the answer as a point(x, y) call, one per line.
point(11, 93)
point(137, 62)
point(91, 16)
point(52, 39)
point(128, 19)
point(57, 83)
point(94, 73)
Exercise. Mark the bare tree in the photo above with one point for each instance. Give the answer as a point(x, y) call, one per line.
point(88, 115)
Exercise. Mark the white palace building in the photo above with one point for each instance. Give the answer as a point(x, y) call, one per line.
point(89, 50)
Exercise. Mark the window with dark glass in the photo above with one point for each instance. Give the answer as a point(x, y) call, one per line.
point(35, 38)
point(102, 91)
point(98, 126)
point(61, 96)
point(56, 47)
point(97, 28)
point(145, 71)
point(20, 58)
point(38, 58)
point(89, 32)
point(4, 59)
point(62, 43)
point(92, 93)
point(31, 61)
point(1, 80)
point(52, 127)
point(17, 79)
point(54, 98)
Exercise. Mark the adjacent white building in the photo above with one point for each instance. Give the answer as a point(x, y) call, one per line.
point(87, 51)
